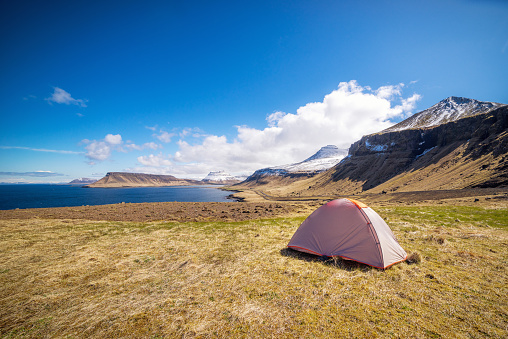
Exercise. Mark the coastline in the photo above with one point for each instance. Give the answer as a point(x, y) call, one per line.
point(49, 196)
point(254, 206)
point(141, 185)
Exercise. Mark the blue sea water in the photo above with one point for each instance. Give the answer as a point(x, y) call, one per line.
point(46, 195)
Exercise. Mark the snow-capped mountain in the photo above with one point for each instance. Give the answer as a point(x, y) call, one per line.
point(467, 152)
point(456, 144)
point(447, 110)
point(325, 158)
point(221, 177)
point(326, 152)
point(83, 181)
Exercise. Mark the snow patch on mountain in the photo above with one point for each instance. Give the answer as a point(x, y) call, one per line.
point(326, 152)
point(376, 148)
point(221, 177)
point(447, 110)
point(425, 152)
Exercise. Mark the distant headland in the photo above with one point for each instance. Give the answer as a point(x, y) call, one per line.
point(124, 179)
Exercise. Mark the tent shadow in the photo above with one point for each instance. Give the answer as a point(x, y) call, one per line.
point(338, 262)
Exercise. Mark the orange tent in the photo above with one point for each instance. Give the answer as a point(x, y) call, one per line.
point(351, 230)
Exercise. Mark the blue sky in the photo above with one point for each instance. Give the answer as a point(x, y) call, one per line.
point(184, 88)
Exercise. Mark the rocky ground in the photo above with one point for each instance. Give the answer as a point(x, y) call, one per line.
point(168, 211)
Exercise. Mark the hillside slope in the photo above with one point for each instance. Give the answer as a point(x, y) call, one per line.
point(123, 179)
point(447, 110)
point(470, 152)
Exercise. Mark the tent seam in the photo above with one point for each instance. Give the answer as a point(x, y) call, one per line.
point(374, 233)
point(372, 229)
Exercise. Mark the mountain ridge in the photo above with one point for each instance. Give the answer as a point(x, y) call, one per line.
point(447, 110)
point(325, 158)
point(221, 178)
point(466, 152)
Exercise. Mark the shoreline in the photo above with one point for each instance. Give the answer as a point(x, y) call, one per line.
point(254, 206)
point(52, 196)
point(142, 186)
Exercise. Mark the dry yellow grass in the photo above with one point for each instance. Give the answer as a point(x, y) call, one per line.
point(85, 279)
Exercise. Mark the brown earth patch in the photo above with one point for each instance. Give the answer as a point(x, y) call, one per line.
point(168, 211)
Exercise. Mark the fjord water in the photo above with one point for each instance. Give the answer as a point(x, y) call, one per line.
point(44, 195)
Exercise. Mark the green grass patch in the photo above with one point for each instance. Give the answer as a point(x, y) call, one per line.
point(447, 215)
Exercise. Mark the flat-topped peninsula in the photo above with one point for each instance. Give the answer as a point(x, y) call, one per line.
point(125, 179)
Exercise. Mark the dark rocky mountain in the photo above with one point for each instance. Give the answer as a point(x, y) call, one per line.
point(465, 153)
point(447, 110)
point(124, 179)
point(457, 143)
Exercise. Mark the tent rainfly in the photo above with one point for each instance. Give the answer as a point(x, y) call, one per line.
point(351, 230)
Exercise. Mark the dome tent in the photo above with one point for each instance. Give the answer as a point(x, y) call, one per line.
point(351, 230)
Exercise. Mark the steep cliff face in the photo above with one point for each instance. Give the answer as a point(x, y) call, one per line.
point(457, 143)
point(123, 179)
point(469, 152)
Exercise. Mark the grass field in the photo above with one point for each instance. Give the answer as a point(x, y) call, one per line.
point(82, 279)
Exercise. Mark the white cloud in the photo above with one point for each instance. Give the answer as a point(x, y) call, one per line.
point(154, 160)
point(274, 118)
point(344, 116)
point(39, 174)
point(409, 104)
point(164, 136)
point(40, 149)
point(341, 118)
point(29, 97)
point(60, 96)
point(388, 92)
point(194, 132)
point(113, 139)
point(147, 145)
point(100, 150)
point(151, 145)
